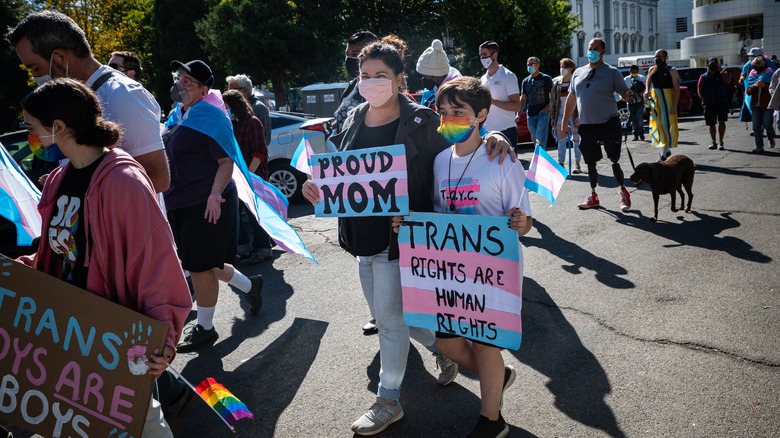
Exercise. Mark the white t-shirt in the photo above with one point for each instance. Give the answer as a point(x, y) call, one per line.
point(485, 188)
point(502, 85)
point(128, 103)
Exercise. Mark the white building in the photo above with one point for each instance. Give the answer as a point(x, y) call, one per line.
point(629, 27)
point(727, 29)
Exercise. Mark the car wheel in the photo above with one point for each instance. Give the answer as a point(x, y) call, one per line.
point(285, 178)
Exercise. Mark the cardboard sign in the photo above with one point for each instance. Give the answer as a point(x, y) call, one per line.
point(362, 182)
point(71, 363)
point(462, 274)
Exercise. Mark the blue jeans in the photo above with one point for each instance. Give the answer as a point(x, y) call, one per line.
point(637, 124)
point(380, 279)
point(562, 142)
point(539, 126)
point(763, 119)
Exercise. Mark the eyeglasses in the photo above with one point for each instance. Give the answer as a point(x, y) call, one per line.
point(187, 82)
point(116, 66)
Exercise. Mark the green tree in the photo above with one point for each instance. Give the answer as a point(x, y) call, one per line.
point(16, 78)
point(540, 28)
point(284, 42)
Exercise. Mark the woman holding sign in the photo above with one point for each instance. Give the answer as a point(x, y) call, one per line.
point(103, 229)
point(494, 189)
point(386, 118)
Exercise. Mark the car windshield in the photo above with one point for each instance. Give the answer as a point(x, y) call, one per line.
point(690, 74)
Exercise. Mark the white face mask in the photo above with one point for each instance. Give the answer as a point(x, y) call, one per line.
point(376, 91)
point(564, 71)
point(486, 62)
point(40, 80)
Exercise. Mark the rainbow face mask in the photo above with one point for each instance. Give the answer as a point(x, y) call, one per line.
point(51, 153)
point(456, 129)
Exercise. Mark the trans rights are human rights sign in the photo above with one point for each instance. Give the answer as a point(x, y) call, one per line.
point(463, 275)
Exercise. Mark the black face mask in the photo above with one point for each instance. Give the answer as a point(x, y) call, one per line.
point(428, 83)
point(352, 66)
point(660, 61)
point(713, 68)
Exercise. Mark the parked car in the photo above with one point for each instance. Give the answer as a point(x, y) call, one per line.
point(689, 77)
point(286, 133)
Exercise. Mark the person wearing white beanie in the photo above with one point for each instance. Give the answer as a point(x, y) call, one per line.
point(434, 66)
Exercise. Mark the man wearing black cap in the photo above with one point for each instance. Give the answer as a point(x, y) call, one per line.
point(713, 90)
point(51, 45)
point(351, 96)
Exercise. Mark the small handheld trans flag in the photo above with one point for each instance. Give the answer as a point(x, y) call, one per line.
point(544, 175)
point(302, 155)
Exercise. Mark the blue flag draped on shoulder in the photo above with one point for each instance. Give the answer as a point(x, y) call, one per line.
point(19, 200)
point(264, 200)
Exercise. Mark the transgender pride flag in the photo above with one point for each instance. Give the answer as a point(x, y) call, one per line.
point(544, 175)
point(302, 155)
point(19, 200)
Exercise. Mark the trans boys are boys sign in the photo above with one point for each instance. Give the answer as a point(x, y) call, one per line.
point(72, 364)
point(462, 275)
point(361, 182)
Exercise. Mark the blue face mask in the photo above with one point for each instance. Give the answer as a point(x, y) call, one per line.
point(531, 69)
point(593, 55)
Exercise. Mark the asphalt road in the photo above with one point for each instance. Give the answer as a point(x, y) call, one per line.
point(630, 328)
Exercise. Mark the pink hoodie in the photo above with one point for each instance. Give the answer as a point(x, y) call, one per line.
point(130, 253)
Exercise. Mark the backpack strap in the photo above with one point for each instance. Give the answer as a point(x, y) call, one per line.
point(101, 80)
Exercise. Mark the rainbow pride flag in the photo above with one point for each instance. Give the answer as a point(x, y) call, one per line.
point(227, 405)
point(302, 156)
point(545, 176)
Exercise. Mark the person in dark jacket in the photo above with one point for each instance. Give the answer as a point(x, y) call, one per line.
point(713, 88)
point(386, 118)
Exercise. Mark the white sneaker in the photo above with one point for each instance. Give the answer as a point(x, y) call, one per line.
point(378, 417)
point(449, 369)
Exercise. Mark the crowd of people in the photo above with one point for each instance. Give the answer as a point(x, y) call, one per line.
point(171, 197)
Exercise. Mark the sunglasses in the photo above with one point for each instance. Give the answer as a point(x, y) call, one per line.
point(116, 66)
point(589, 77)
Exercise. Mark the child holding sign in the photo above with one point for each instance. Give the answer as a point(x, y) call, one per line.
point(467, 182)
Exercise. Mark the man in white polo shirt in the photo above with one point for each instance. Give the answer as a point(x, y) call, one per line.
point(504, 90)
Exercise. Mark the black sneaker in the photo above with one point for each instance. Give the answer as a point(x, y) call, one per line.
point(370, 328)
point(713, 146)
point(254, 295)
point(492, 429)
point(195, 336)
point(510, 374)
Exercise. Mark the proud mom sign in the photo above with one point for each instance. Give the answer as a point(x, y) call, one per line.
point(362, 182)
point(462, 274)
point(71, 363)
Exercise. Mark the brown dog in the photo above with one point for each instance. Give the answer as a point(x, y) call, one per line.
point(667, 176)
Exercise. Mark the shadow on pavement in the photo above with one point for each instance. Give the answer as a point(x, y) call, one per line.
point(702, 233)
point(733, 172)
point(552, 347)
point(576, 258)
point(291, 355)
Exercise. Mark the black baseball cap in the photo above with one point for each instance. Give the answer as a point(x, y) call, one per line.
point(712, 60)
point(197, 69)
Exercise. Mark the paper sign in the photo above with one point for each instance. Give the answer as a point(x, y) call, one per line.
point(462, 274)
point(361, 182)
point(328, 98)
point(311, 99)
point(71, 363)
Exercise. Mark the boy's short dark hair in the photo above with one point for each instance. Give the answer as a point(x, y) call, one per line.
point(490, 45)
point(362, 36)
point(633, 67)
point(465, 90)
point(130, 61)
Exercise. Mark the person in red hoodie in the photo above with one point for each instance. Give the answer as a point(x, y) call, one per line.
point(103, 230)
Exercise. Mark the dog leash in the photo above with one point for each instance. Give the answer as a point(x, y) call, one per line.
point(624, 114)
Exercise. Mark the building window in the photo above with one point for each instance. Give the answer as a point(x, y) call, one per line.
point(579, 11)
point(651, 43)
point(625, 16)
point(633, 17)
point(580, 44)
point(625, 43)
point(650, 14)
point(639, 20)
point(616, 14)
point(633, 43)
point(682, 24)
point(617, 43)
point(596, 14)
point(639, 40)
